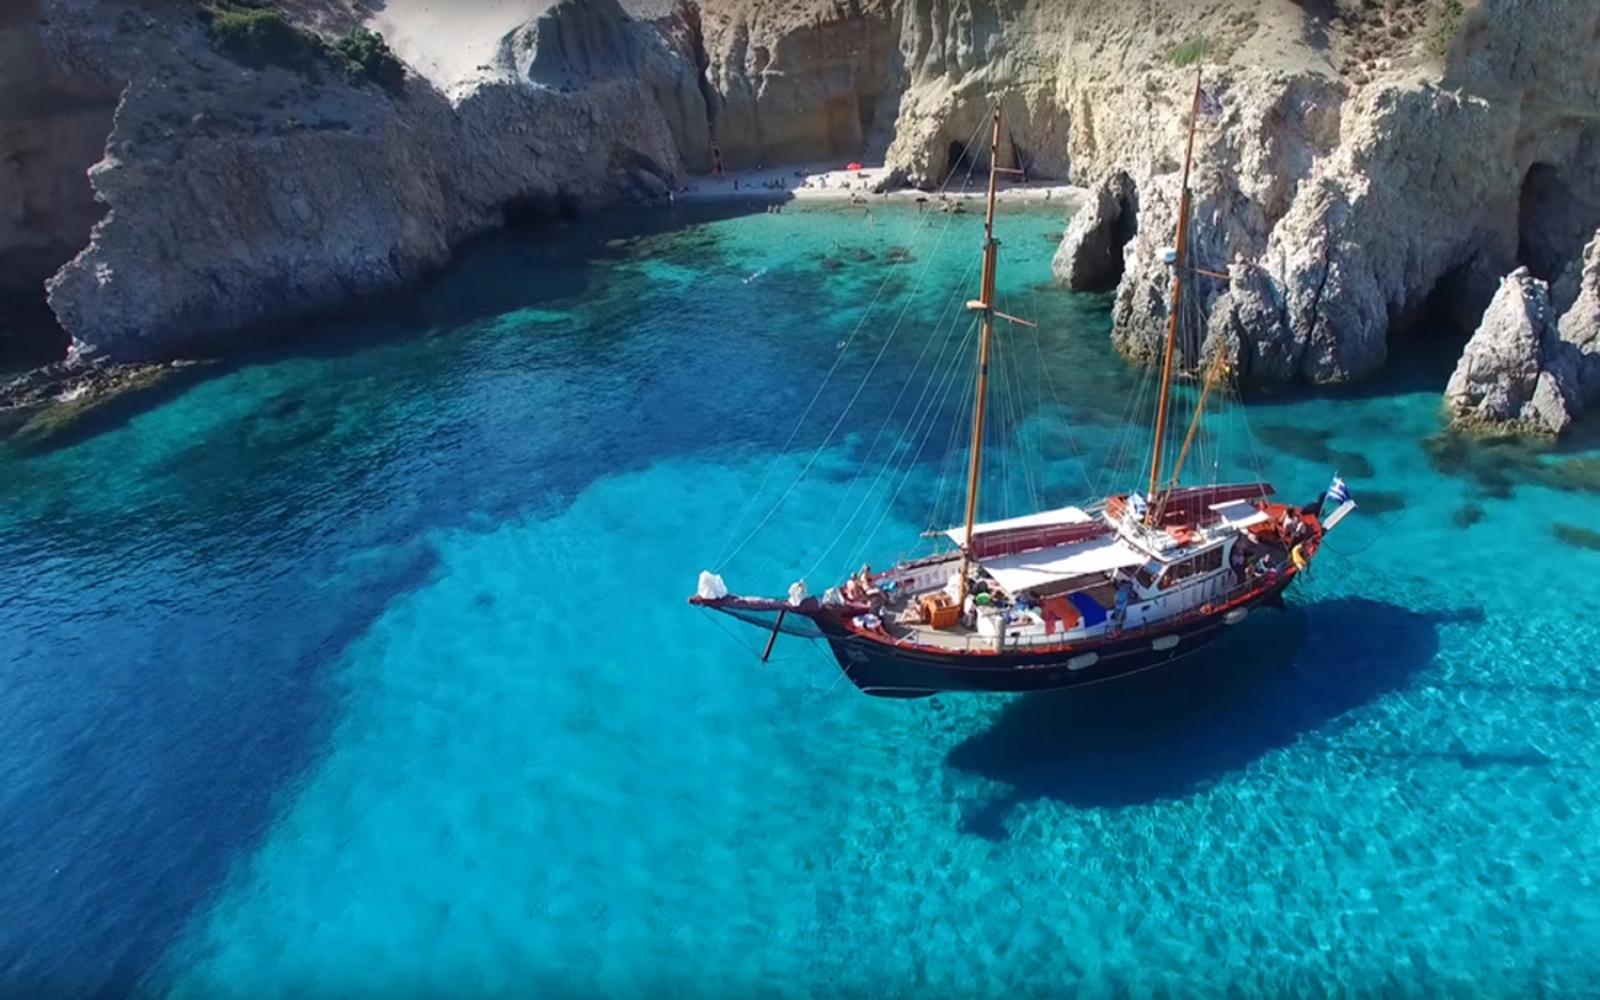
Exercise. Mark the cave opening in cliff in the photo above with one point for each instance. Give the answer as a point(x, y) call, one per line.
point(1425, 342)
point(30, 336)
point(961, 162)
point(1547, 227)
point(536, 208)
point(1123, 230)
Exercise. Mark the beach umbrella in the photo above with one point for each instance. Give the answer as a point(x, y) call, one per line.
point(852, 166)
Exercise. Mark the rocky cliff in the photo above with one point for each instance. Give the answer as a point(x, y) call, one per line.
point(53, 126)
point(1353, 206)
point(1516, 370)
point(1534, 362)
point(801, 82)
point(232, 192)
point(1362, 165)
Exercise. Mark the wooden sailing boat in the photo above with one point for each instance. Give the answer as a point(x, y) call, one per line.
point(1063, 597)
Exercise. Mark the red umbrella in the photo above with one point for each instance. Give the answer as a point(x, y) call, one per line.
point(852, 166)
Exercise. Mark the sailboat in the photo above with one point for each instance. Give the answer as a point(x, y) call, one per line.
point(1064, 597)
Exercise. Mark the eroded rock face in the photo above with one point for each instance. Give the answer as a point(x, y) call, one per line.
point(803, 82)
point(1250, 322)
point(1090, 256)
point(1339, 198)
point(1356, 199)
point(1534, 363)
point(234, 193)
point(1576, 300)
point(53, 127)
point(1515, 371)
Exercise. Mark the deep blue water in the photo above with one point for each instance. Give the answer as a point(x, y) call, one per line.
point(365, 669)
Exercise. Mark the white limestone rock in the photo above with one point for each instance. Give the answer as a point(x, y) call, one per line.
point(1090, 256)
point(1514, 372)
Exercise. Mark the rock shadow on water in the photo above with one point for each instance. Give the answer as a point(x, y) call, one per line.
point(1576, 536)
point(534, 265)
point(1174, 731)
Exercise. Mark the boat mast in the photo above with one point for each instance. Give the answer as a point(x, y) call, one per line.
point(985, 305)
point(1172, 314)
point(1218, 366)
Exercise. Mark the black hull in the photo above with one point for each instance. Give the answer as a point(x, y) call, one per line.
point(898, 672)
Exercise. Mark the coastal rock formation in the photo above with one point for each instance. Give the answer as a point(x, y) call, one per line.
point(1515, 370)
point(1576, 300)
point(1358, 199)
point(801, 83)
point(234, 191)
point(1362, 168)
point(1250, 321)
point(53, 126)
point(1090, 256)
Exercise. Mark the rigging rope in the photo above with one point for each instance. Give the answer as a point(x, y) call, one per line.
point(952, 458)
point(727, 555)
point(860, 389)
point(1369, 542)
point(950, 449)
point(889, 416)
point(1045, 379)
point(884, 469)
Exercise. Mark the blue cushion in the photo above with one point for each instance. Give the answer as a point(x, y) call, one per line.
point(1089, 608)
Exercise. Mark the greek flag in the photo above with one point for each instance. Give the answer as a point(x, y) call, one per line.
point(1137, 505)
point(1337, 491)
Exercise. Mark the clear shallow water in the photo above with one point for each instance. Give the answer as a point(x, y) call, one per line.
point(368, 671)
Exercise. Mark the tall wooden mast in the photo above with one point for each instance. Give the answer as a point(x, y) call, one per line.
point(1173, 312)
point(984, 304)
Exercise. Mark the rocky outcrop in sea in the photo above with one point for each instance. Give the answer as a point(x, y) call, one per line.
point(1352, 214)
point(1534, 362)
point(1515, 370)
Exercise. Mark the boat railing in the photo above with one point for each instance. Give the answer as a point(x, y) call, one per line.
point(972, 642)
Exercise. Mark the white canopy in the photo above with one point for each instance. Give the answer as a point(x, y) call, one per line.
point(1239, 513)
point(1031, 569)
point(1061, 515)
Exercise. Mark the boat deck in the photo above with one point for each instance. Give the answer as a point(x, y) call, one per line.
point(897, 607)
point(956, 638)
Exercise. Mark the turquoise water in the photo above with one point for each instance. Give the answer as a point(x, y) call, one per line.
point(366, 669)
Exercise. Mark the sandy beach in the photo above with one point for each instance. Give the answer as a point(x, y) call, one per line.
point(834, 183)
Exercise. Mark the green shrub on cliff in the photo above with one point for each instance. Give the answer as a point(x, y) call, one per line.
point(364, 54)
point(258, 36)
point(255, 33)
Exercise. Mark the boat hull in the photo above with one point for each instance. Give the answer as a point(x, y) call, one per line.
point(888, 671)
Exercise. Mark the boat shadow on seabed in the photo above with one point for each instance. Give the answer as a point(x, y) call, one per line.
point(1176, 730)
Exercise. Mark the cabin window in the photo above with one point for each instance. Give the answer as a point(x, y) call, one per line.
point(1206, 562)
point(1146, 577)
